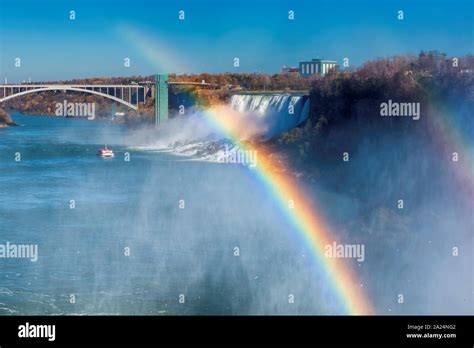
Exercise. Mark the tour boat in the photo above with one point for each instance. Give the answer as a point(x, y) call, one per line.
point(105, 152)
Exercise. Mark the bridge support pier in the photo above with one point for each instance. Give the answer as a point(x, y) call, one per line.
point(161, 99)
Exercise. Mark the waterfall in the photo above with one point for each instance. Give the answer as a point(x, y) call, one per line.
point(277, 112)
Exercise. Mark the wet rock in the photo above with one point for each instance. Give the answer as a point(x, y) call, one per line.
point(5, 119)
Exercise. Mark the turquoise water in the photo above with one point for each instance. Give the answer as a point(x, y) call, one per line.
point(168, 234)
point(134, 206)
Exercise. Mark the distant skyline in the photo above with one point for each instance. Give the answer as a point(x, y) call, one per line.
point(214, 32)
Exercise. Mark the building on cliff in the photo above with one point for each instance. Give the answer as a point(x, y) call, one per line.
point(316, 66)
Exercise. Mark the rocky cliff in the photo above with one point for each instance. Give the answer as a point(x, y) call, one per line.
point(5, 119)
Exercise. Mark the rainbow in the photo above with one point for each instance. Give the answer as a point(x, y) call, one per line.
point(450, 137)
point(303, 217)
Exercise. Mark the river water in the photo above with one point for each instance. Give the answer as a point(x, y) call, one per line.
point(153, 235)
point(165, 233)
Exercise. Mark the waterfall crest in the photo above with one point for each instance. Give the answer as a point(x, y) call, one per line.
point(277, 112)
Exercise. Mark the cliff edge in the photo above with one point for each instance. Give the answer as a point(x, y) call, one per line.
point(5, 119)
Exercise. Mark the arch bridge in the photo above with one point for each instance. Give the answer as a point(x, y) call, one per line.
point(129, 95)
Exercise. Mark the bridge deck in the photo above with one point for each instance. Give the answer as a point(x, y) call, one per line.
point(128, 94)
point(67, 85)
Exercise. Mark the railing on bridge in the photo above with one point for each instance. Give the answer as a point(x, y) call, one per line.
point(128, 94)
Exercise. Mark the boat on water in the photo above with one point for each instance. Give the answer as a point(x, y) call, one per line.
point(105, 152)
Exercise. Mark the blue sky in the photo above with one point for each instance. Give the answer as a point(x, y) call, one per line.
point(214, 32)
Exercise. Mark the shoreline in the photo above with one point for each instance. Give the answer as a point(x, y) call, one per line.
point(5, 119)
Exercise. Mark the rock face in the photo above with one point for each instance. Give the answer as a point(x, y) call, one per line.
point(5, 119)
